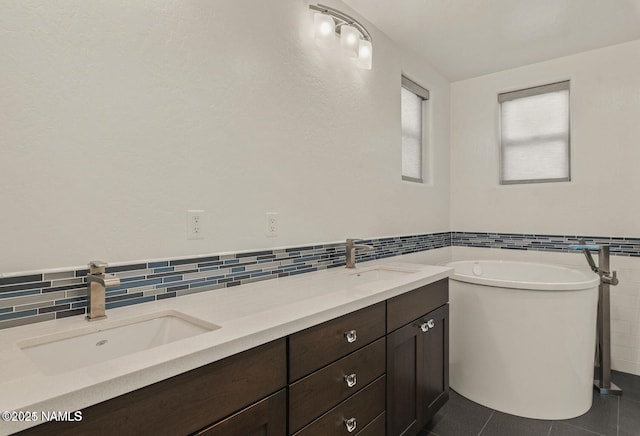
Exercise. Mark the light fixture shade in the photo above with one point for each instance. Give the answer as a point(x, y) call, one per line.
point(365, 54)
point(324, 29)
point(349, 40)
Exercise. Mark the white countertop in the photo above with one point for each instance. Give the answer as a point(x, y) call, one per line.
point(249, 315)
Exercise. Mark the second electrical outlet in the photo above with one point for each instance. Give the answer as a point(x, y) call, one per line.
point(272, 224)
point(195, 224)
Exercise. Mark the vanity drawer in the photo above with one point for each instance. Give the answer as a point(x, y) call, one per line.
point(377, 427)
point(366, 408)
point(185, 403)
point(410, 306)
point(320, 345)
point(320, 391)
point(267, 417)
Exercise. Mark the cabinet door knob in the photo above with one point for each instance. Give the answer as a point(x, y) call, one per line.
point(425, 326)
point(351, 380)
point(351, 336)
point(351, 424)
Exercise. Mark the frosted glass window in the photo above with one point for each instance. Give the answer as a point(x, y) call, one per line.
point(534, 134)
point(412, 98)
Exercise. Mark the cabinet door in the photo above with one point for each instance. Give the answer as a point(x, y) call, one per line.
point(435, 363)
point(417, 372)
point(265, 418)
point(184, 403)
point(404, 365)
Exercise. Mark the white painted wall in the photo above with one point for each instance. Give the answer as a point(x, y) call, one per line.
point(605, 109)
point(601, 199)
point(119, 116)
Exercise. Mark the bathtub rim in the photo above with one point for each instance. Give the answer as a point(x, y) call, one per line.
point(586, 284)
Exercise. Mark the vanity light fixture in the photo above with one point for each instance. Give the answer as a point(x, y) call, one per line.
point(324, 29)
point(355, 39)
point(349, 39)
point(365, 49)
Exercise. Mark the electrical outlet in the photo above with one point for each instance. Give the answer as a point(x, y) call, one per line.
point(272, 224)
point(195, 224)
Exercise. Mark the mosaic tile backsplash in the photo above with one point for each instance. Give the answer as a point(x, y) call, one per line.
point(40, 297)
point(618, 246)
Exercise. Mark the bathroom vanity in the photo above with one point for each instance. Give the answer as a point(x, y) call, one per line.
point(378, 368)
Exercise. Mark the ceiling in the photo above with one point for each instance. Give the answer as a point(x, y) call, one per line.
point(469, 38)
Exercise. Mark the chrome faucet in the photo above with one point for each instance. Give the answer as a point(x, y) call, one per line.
point(603, 270)
point(351, 251)
point(97, 282)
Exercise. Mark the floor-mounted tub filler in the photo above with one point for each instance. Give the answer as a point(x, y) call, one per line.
point(522, 337)
point(608, 278)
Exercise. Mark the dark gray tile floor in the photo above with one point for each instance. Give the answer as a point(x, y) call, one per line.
point(609, 416)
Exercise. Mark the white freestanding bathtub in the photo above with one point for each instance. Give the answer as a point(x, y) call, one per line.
point(522, 337)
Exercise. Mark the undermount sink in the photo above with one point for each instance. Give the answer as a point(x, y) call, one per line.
point(93, 344)
point(381, 273)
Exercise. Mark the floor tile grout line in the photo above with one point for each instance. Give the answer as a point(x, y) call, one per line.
point(582, 428)
point(485, 424)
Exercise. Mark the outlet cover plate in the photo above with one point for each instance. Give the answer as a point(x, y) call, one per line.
point(195, 224)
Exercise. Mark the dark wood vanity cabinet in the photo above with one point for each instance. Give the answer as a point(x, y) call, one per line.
point(192, 401)
point(265, 418)
point(336, 374)
point(406, 366)
point(381, 370)
point(417, 358)
point(317, 346)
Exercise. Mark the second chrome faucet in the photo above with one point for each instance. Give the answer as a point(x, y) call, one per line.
point(351, 251)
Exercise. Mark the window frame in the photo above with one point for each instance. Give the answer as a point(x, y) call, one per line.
point(424, 94)
point(529, 92)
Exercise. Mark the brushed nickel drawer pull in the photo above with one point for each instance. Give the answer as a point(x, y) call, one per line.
point(351, 424)
point(351, 380)
point(350, 335)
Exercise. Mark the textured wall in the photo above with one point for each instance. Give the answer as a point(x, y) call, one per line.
point(119, 116)
point(605, 108)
